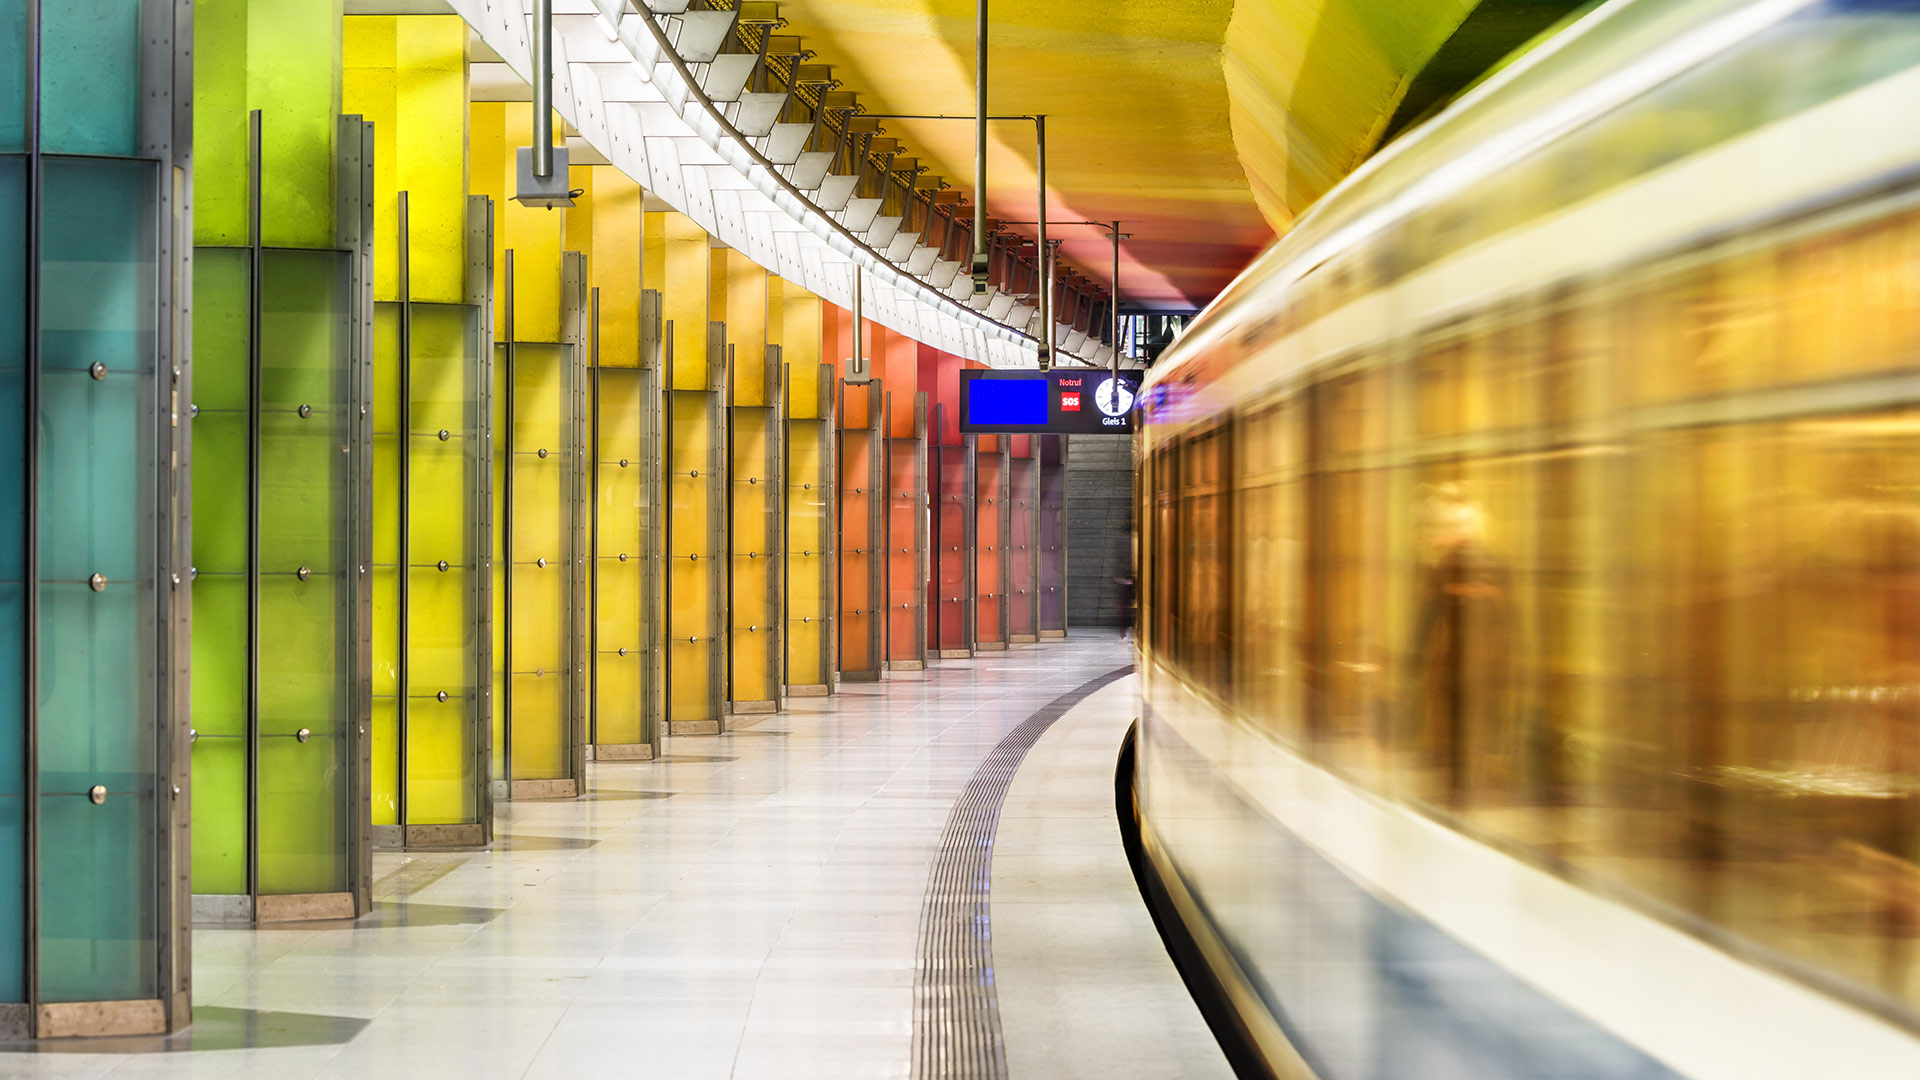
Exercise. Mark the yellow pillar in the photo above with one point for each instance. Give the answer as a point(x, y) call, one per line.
point(757, 465)
point(429, 726)
point(540, 469)
point(625, 647)
point(695, 480)
point(811, 531)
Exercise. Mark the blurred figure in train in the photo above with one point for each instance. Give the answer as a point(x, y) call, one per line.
point(1460, 667)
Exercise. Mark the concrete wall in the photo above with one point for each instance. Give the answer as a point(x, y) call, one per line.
point(1099, 528)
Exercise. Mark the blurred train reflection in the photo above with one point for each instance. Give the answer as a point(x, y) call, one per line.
point(1531, 573)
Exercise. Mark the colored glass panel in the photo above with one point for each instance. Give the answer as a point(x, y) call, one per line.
point(906, 510)
point(619, 714)
point(954, 503)
point(755, 499)
point(539, 450)
point(13, 570)
point(442, 614)
point(990, 474)
point(389, 460)
point(809, 543)
point(98, 301)
point(1022, 608)
point(690, 557)
point(13, 82)
point(858, 449)
point(221, 480)
point(306, 580)
point(90, 77)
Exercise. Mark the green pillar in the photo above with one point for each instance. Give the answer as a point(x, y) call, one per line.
point(283, 229)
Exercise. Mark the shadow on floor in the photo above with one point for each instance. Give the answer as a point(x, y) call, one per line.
point(215, 1027)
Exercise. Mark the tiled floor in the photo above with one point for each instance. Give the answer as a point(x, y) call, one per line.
point(745, 908)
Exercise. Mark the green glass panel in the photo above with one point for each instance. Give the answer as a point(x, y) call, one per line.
point(388, 440)
point(13, 78)
point(90, 77)
point(96, 435)
point(13, 531)
point(221, 380)
point(306, 484)
point(443, 623)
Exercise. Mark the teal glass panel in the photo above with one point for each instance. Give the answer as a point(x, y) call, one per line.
point(222, 314)
point(96, 435)
point(90, 77)
point(13, 569)
point(306, 583)
point(13, 77)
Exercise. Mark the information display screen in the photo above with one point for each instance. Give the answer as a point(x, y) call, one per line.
point(1067, 401)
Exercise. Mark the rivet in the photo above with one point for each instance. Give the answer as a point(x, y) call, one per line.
point(98, 583)
point(305, 411)
point(193, 410)
point(442, 565)
point(303, 734)
point(442, 695)
point(623, 463)
point(445, 434)
point(98, 370)
point(753, 479)
point(694, 473)
point(623, 651)
point(303, 573)
point(695, 557)
point(623, 556)
point(97, 793)
point(193, 736)
point(542, 452)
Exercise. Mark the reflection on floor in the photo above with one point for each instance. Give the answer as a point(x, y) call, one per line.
point(746, 907)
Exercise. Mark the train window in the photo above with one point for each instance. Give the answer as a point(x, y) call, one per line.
point(1347, 560)
point(1267, 545)
point(1852, 299)
point(1205, 599)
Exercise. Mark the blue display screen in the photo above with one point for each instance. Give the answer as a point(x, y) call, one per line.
point(1004, 403)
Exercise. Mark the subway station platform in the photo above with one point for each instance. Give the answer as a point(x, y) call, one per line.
point(781, 901)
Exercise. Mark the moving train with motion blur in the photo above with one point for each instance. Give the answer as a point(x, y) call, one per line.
point(1530, 575)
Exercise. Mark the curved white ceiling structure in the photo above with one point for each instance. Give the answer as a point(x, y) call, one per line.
point(618, 80)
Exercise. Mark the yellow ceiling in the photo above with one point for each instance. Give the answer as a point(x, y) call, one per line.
point(1137, 122)
point(1205, 125)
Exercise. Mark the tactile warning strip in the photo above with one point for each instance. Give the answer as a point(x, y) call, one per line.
point(956, 1013)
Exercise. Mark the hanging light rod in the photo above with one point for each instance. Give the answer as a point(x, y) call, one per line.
point(1039, 122)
